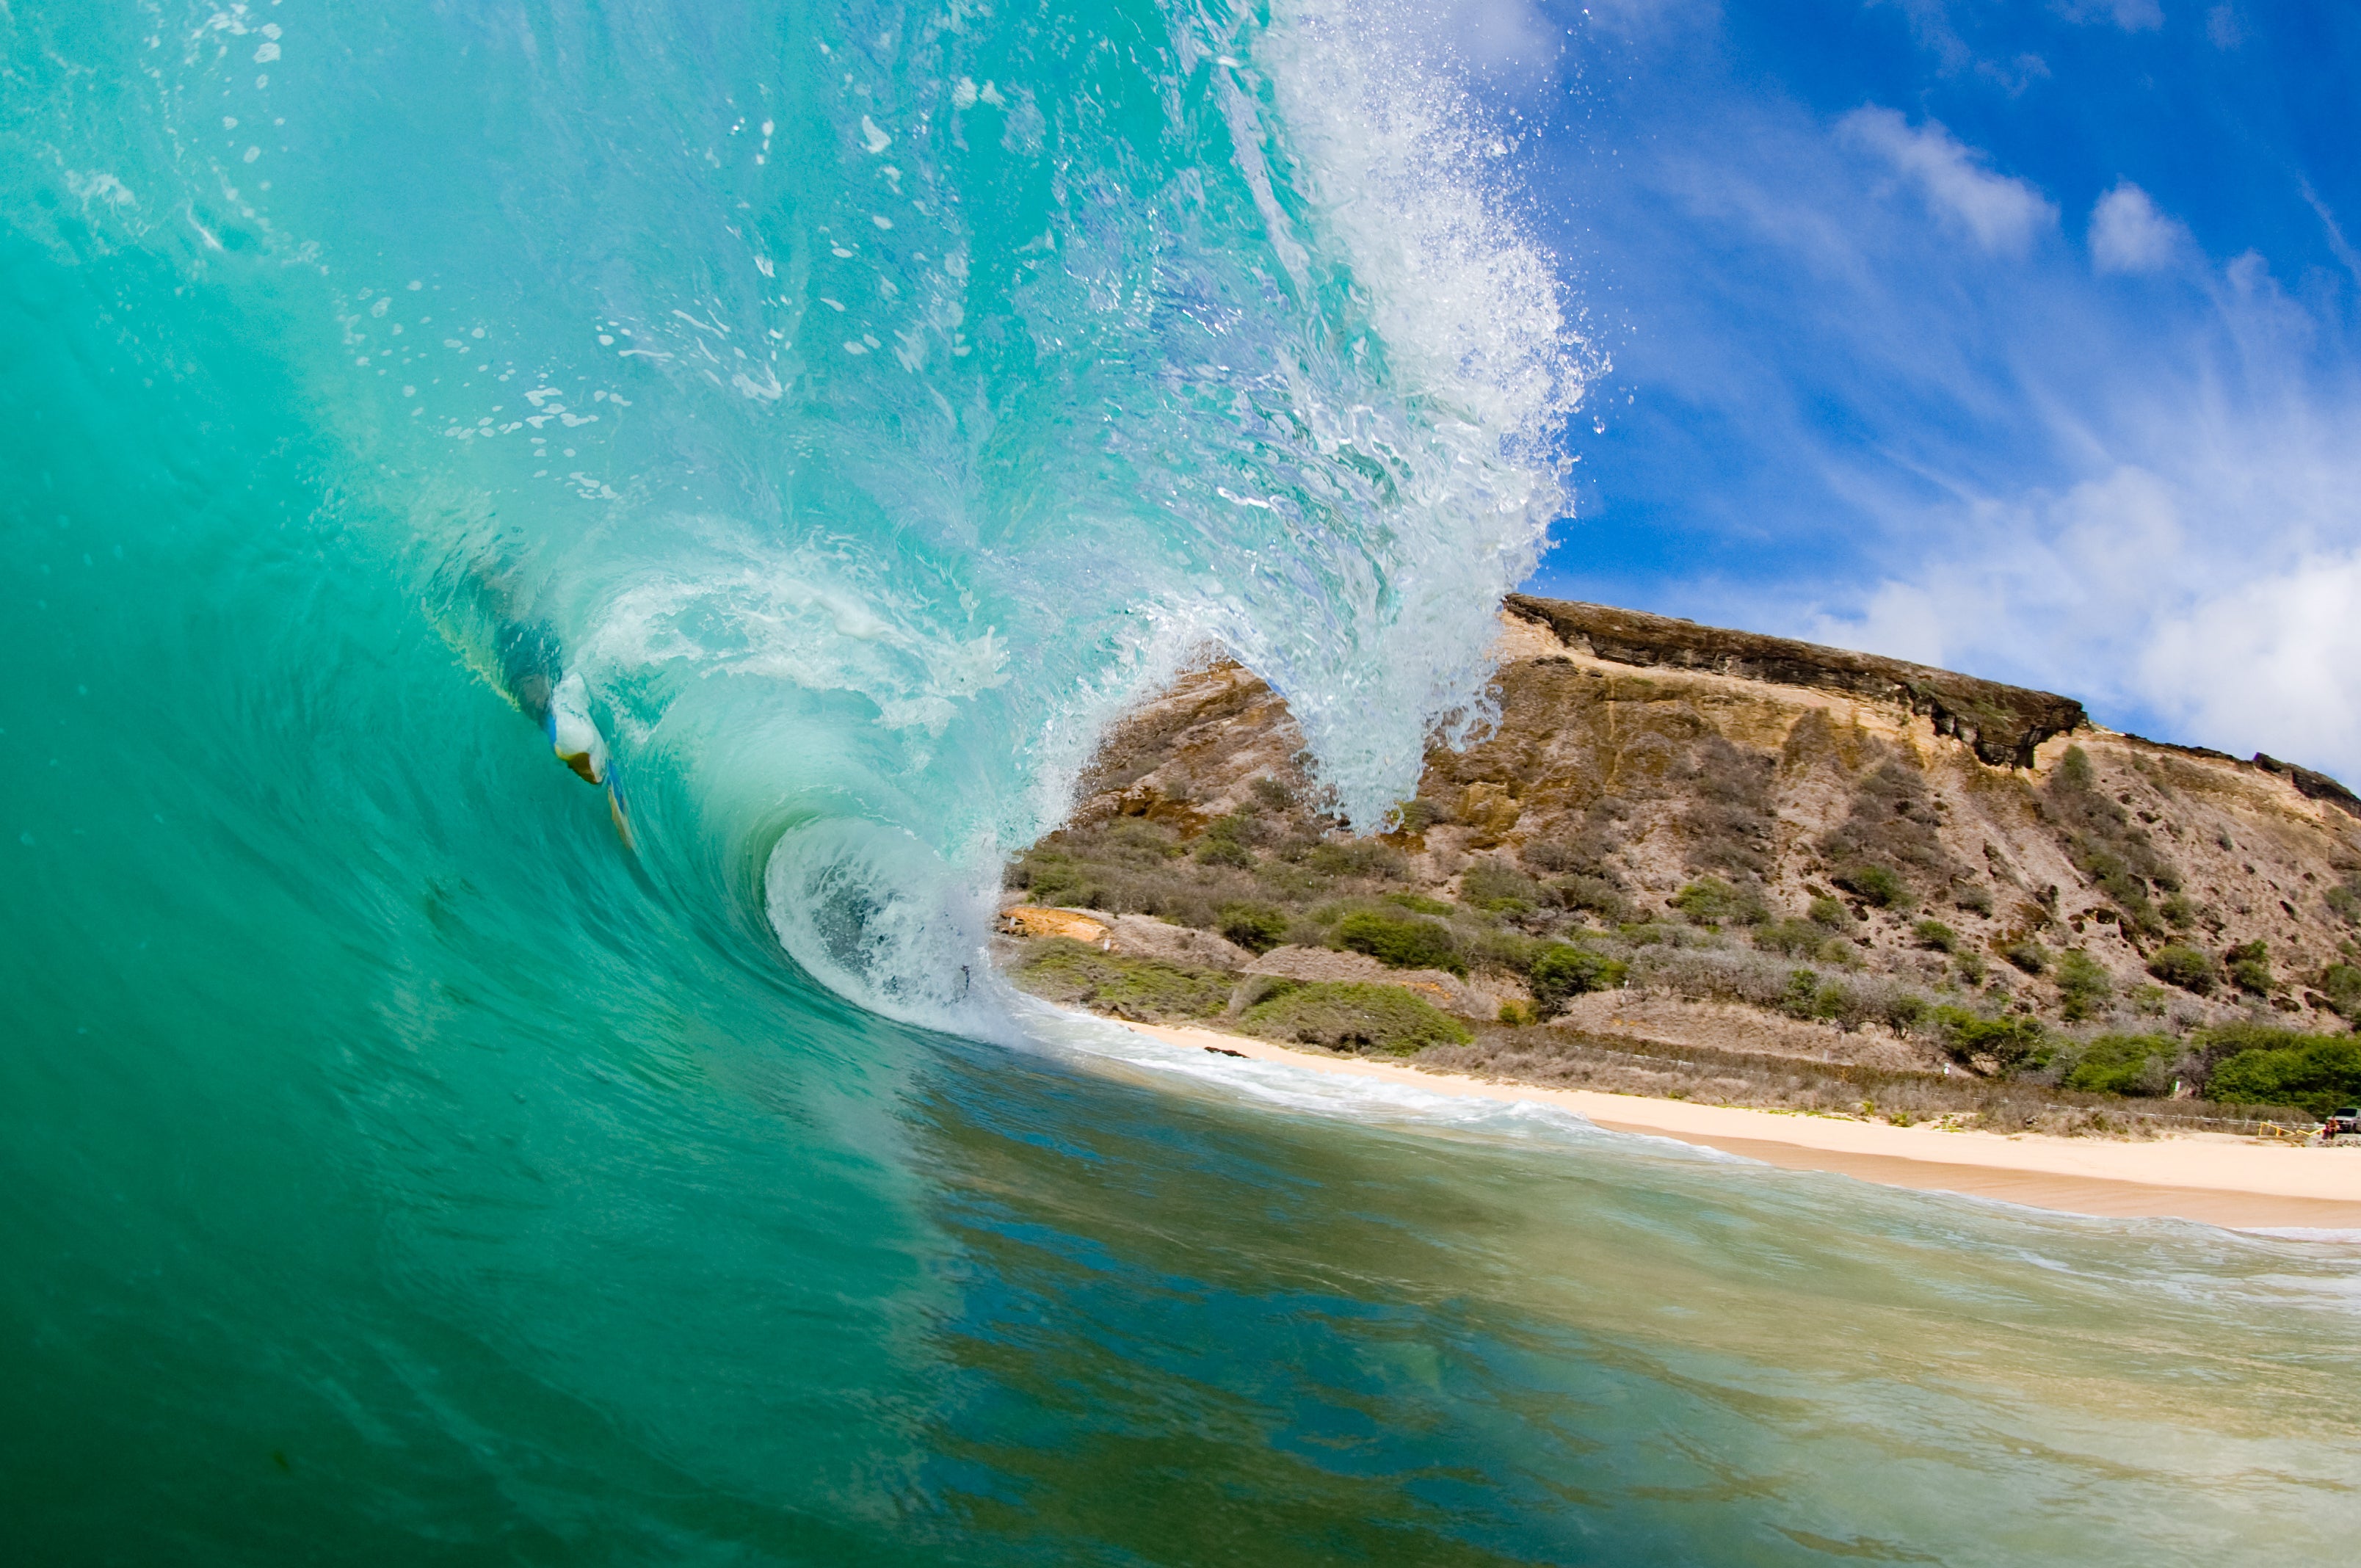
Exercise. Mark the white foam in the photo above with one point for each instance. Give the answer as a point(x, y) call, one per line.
point(871, 913)
point(1395, 152)
point(1285, 1086)
point(790, 616)
point(1365, 164)
point(2305, 1234)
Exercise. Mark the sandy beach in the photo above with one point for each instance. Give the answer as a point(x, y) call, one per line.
point(2219, 1180)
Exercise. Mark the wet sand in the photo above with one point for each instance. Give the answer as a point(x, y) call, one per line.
point(2219, 1180)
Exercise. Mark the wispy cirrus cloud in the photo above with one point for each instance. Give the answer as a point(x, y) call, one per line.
point(2203, 579)
point(2338, 246)
point(2131, 16)
point(2129, 234)
point(1874, 400)
point(2002, 214)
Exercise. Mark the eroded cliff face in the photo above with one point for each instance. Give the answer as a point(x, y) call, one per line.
point(1847, 812)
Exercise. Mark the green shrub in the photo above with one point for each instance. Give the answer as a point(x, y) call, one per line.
point(1302, 931)
point(1828, 912)
point(2082, 984)
point(1420, 902)
point(1227, 841)
point(1563, 972)
point(1906, 1010)
point(1506, 949)
point(2341, 983)
point(2224, 1040)
point(1936, 935)
point(2103, 842)
point(1710, 901)
point(2184, 967)
point(2249, 964)
point(1878, 885)
point(1890, 829)
point(2116, 878)
point(1418, 815)
point(1730, 819)
point(1138, 841)
point(1402, 941)
point(1365, 858)
point(1056, 879)
point(1145, 989)
point(1792, 939)
point(1972, 896)
point(2027, 955)
point(2178, 912)
point(2345, 900)
point(1272, 796)
point(2122, 1064)
point(1501, 890)
point(1809, 996)
point(1594, 894)
point(2010, 1044)
point(1256, 927)
point(2316, 1072)
point(1584, 856)
point(1354, 1017)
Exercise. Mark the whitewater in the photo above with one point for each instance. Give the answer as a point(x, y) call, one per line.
point(817, 424)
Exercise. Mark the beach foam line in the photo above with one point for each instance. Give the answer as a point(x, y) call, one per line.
point(2233, 1184)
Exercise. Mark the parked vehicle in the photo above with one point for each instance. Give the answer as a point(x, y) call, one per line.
point(2346, 1122)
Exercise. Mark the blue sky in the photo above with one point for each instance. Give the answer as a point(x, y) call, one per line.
point(2015, 337)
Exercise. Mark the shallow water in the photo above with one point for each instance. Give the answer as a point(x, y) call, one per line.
point(396, 1166)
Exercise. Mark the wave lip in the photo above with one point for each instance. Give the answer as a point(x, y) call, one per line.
point(942, 396)
point(871, 912)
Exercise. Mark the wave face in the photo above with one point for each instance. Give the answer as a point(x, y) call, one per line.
point(821, 421)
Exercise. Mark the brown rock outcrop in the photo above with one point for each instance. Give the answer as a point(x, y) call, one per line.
point(2003, 724)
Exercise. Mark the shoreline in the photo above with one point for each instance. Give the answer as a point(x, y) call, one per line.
point(2229, 1182)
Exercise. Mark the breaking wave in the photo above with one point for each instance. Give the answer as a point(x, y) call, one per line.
point(809, 426)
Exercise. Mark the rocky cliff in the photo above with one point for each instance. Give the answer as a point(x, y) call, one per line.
point(1757, 834)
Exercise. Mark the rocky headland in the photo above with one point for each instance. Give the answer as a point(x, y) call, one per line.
point(1701, 862)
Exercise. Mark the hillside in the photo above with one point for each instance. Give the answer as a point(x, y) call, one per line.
point(1710, 855)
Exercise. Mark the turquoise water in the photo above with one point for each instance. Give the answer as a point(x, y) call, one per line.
point(396, 1165)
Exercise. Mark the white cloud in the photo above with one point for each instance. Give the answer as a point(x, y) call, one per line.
point(2030, 582)
point(2225, 27)
point(1638, 18)
point(2131, 16)
point(2002, 214)
point(2196, 577)
point(2337, 243)
point(1900, 620)
point(2129, 234)
point(2014, 76)
point(2274, 663)
point(2147, 498)
point(1489, 35)
point(2214, 587)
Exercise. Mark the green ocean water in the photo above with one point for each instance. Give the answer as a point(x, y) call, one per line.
point(396, 1166)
